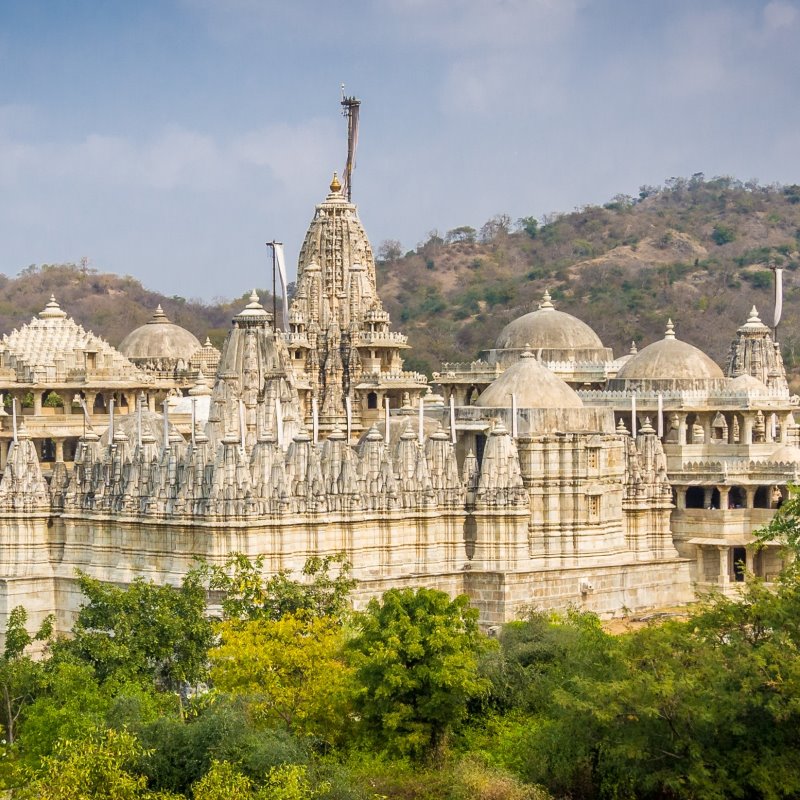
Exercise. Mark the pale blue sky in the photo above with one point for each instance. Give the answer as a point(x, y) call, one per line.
point(169, 140)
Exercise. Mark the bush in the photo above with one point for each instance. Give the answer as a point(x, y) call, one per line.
point(723, 234)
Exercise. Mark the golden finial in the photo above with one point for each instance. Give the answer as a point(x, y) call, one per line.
point(335, 185)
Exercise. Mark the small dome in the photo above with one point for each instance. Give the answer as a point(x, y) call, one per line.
point(533, 385)
point(670, 360)
point(160, 339)
point(786, 454)
point(747, 383)
point(548, 329)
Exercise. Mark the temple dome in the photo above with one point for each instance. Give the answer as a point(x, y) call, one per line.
point(533, 385)
point(160, 339)
point(747, 383)
point(786, 454)
point(548, 329)
point(673, 362)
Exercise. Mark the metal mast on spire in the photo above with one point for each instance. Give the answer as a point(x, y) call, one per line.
point(350, 108)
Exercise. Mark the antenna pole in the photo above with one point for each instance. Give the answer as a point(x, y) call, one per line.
point(350, 110)
point(274, 298)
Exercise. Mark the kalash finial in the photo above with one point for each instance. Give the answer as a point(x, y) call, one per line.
point(546, 304)
point(336, 187)
point(670, 332)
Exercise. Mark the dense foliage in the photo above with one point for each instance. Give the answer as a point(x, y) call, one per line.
point(291, 696)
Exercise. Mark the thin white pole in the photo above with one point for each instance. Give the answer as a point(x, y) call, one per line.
point(165, 406)
point(315, 419)
point(139, 420)
point(111, 421)
point(660, 415)
point(633, 414)
point(453, 418)
point(421, 421)
point(279, 421)
point(513, 416)
point(14, 416)
point(386, 423)
point(194, 418)
point(241, 423)
point(349, 408)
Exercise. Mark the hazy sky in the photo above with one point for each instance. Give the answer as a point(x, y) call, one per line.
point(169, 139)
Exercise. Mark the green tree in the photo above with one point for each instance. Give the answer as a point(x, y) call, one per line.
point(144, 632)
point(101, 768)
point(416, 657)
point(20, 675)
point(290, 671)
point(249, 594)
point(723, 234)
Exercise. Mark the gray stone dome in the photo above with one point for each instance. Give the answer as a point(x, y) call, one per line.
point(747, 383)
point(160, 339)
point(548, 329)
point(533, 385)
point(671, 363)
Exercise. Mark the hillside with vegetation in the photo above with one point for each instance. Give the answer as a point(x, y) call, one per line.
point(696, 250)
point(109, 305)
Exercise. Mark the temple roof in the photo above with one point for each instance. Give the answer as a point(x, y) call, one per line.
point(52, 339)
point(532, 384)
point(670, 359)
point(548, 329)
point(160, 338)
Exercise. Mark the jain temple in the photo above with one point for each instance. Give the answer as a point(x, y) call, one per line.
point(546, 474)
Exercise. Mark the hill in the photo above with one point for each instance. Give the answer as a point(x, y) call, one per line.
point(110, 305)
point(695, 250)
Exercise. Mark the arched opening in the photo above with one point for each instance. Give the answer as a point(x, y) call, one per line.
point(695, 497)
point(372, 400)
point(762, 497)
point(737, 497)
point(739, 559)
point(99, 404)
point(48, 450)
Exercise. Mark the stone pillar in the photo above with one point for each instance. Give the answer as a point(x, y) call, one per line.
point(707, 420)
point(37, 403)
point(151, 402)
point(750, 496)
point(729, 418)
point(59, 450)
point(707, 492)
point(787, 421)
point(682, 429)
point(724, 492)
point(89, 400)
point(768, 437)
point(680, 496)
point(4, 446)
point(746, 436)
point(748, 560)
point(724, 571)
point(701, 564)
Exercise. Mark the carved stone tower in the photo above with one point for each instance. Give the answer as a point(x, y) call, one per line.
point(341, 348)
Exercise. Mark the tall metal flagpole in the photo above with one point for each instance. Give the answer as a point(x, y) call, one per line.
point(272, 245)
